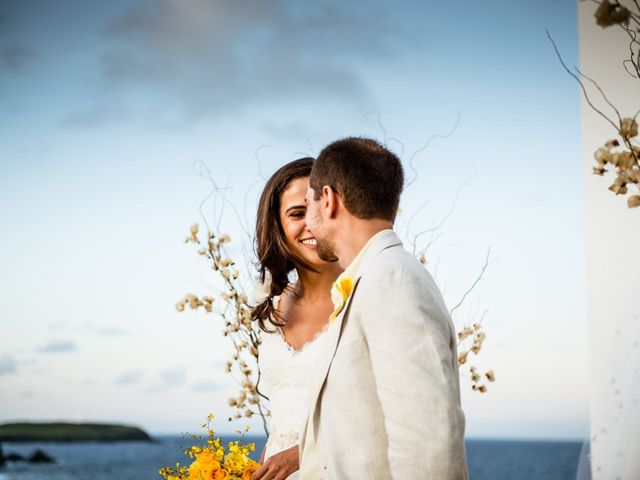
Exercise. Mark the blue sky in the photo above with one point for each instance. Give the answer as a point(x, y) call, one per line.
point(106, 107)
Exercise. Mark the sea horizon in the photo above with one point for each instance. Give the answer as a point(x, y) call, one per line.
point(487, 458)
point(473, 438)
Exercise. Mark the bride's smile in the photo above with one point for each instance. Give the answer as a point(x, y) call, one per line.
point(309, 242)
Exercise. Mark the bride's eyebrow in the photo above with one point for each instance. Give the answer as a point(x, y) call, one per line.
point(294, 207)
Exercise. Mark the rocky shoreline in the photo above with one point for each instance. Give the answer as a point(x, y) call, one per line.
point(70, 432)
point(38, 456)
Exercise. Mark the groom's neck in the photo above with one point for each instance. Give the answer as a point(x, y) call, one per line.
point(356, 234)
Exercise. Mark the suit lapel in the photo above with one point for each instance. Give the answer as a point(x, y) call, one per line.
point(329, 350)
point(386, 240)
point(324, 363)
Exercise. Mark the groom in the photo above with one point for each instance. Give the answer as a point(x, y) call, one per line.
point(386, 399)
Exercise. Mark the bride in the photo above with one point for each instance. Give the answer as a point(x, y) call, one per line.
point(294, 316)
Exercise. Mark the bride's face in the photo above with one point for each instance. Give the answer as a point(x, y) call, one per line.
point(292, 217)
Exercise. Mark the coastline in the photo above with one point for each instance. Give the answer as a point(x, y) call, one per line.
point(63, 432)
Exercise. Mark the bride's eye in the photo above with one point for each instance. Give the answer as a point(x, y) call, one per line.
point(298, 212)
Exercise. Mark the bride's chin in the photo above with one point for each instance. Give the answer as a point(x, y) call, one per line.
point(311, 256)
point(320, 263)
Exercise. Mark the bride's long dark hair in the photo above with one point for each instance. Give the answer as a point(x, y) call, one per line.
point(275, 258)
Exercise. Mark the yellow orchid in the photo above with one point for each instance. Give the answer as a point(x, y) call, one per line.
point(213, 462)
point(340, 293)
point(345, 287)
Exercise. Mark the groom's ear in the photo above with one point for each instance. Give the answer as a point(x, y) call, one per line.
point(330, 201)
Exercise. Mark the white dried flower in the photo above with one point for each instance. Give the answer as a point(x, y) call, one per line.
point(633, 201)
point(603, 155)
point(626, 160)
point(462, 358)
point(619, 187)
point(608, 14)
point(628, 128)
point(633, 175)
point(225, 262)
point(260, 291)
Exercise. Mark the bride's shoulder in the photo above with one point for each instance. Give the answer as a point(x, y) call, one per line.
point(282, 302)
point(270, 344)
point(274, 323)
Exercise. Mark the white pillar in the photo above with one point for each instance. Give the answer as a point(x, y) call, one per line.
point(613, 263)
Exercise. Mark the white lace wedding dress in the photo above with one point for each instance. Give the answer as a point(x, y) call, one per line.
point(285, 378)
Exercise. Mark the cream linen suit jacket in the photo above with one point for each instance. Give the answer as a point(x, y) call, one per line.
point(385, 400)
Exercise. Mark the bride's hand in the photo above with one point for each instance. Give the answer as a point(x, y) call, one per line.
point(279, 466)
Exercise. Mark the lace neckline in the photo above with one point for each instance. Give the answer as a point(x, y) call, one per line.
point(303, 347)
point(296, 351)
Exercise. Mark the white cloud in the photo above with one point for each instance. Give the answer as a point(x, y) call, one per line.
point(107, 331)
point(197, 58)
point(205, 386)
point(57, 346)
point(174, 377)
point(155, 389)
point(7, 365)
point(129, 378)
point(15, 58)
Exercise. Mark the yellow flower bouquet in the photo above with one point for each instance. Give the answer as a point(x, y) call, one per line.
point(211, 461)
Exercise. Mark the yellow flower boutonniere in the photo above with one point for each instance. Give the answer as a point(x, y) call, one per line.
point(340, 293)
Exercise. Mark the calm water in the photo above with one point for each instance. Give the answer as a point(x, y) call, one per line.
point(488, 460)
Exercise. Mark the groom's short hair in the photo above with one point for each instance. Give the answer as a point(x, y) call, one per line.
point(366, 175)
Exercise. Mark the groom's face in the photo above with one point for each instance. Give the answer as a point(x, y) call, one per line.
point(317, 225)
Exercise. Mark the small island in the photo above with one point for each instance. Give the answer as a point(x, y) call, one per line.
point(70, 432)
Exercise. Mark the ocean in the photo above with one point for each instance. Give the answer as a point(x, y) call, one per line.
point(488, 459)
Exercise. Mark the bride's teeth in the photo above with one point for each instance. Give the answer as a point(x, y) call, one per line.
point(309, 242)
